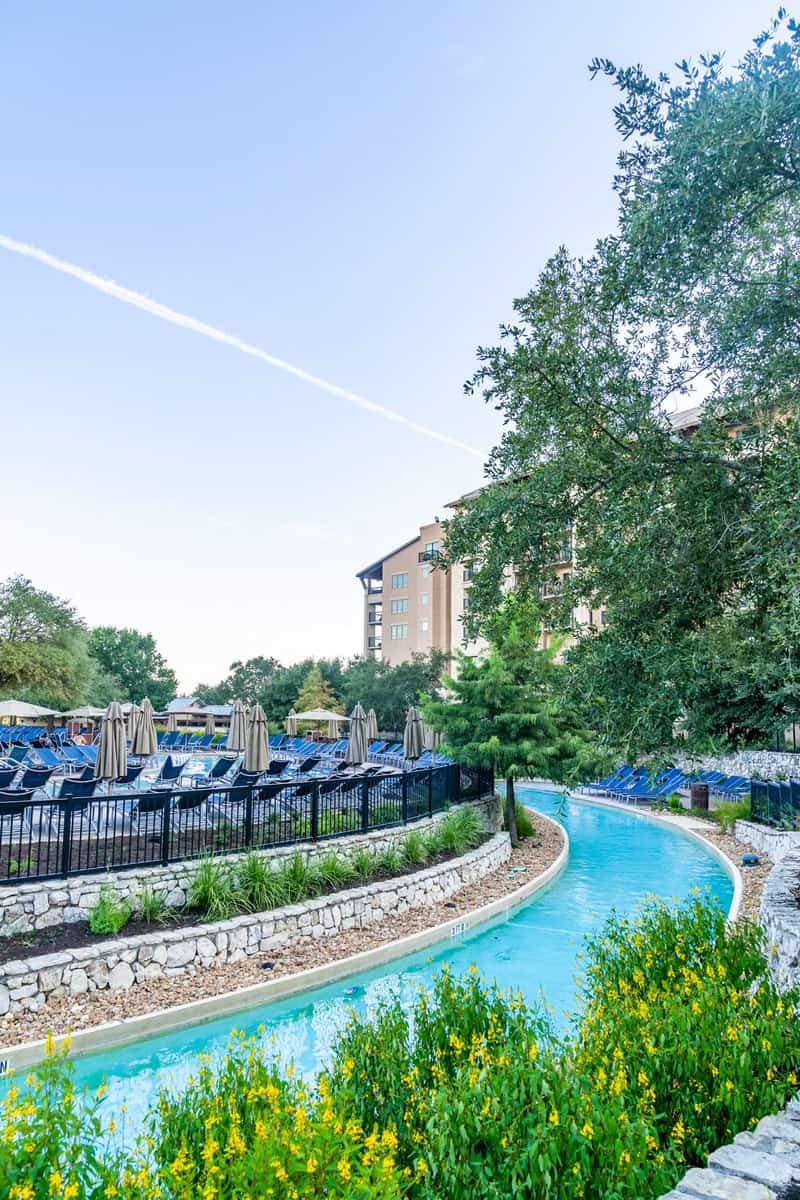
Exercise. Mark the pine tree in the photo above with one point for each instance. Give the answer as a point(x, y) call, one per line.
point(505, 711)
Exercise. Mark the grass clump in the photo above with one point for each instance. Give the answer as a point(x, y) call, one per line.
point(363, 864)
point(258, 885)
point(334, 872)
point(152, 907)
point(300, 879)
point(525, 826)
point(460, 830)
point(730, 812)
point(390, 860)
point(415, 850)
point(109, 913)
point(214, 890)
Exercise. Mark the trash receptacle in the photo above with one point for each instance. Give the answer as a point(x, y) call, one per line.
point(698, 795)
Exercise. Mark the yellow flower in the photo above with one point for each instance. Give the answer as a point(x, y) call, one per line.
point(553, 1118)
point(422, 1166)
point(311, 1163)
point(343, 1167)
point(588, 1131)
point(55, 1183)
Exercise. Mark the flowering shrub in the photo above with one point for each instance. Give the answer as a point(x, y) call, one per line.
point(681, 1040)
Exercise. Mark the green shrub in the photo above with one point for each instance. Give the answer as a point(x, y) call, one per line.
point(109, 913)
point(257, 884)
point(415, 850)
point(674, 803)
point(300, 879)
point(363, 864)
point(730, 812)
point(390, 860)
point(525, 826)
point(334, 872)
point(460, 830)
point(213, 889)
point(152, 907)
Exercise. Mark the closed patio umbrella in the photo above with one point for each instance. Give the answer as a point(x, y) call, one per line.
point(372, 726)
point(357, 746)
point(256, 751)
point(145, 739)
point(291, 723)
point(237, 734)
point(333, 728)
point(172, 723)
point(112, 751)
point(211, 724)
point(134, 712)
point(412, 735)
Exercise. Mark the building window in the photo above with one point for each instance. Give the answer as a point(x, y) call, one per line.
point(400, 580)
point(430, 552)
point(468, 573)
point(424, 626)
point(426, 572)
point(399, 632)
point(604, 617)
point(424, 599)
point(400, 606)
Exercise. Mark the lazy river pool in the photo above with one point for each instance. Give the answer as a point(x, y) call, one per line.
point(616, 860)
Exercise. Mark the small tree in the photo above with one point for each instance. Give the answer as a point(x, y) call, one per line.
point(316, 692)
point(507, 712)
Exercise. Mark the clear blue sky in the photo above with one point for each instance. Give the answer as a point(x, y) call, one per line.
point(360, 189)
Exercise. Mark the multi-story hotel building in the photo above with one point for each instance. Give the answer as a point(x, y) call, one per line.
point(409, 607)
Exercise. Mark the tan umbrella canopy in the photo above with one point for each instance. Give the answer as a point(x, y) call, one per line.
point(412, 735)
point(112, 752)
point(320, 714)
point(134, 712)
point(256, 751)
point(22, 710)
point(172, 723)
point(291, 723)
point(357, 746)
point(85, 713)
point(145, 739)
point(372, 726)
point(211, 724)
point(237, 734)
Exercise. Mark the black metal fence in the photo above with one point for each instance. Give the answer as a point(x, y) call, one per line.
point(775, 804)
point(49, 838)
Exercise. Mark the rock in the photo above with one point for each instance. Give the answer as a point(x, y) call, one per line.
point(759, 1167)
point(49, 979)
point(41, 903)
point(78, 982)
point(713, 1184)
point(121, 978)
point(5, 1000)
point(181, 953)
point(206, 948)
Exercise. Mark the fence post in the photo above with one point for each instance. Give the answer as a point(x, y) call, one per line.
point(66, 839)
point(365, 806)
point(166, 809)
point(430, 791)
point(404, 799)
point(248, 819)
point(315, 811)
point(454, 783)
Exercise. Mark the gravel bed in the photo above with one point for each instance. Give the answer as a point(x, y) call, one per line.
point(72, 1014)
point(753, 878)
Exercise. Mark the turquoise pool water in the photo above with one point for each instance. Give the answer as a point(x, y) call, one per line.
point(616, 860)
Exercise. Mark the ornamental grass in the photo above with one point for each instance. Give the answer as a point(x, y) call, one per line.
point(680, 1041)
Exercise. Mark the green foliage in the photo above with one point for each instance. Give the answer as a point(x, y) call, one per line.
point(334, 871)
point(674, 803)
point(391, 690)
point(682, 1039)
point(316, 692)
point(730, 812)
point(43, 652)
point(259, 885)
point(458, 831)
point(390, 860)
point(415, 849)
point(132, 660)
point(686, 538)
point(214, 889)
point(300, 878)
point(109, 913)
point(152, 907)
point(525, 826)
point(363, 864)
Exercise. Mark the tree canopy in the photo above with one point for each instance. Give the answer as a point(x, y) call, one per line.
point(686, 537)
point(133, 662)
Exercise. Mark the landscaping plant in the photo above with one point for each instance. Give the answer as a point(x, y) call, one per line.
point(109, 913)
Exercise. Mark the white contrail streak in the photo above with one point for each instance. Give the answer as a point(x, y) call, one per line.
point(138, 300)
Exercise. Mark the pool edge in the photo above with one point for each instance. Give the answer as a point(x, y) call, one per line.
point(195, 1012)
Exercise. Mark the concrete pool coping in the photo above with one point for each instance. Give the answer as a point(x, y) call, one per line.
point(196, 1012)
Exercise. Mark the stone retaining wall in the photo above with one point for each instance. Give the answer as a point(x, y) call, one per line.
point(28, 984)
point(780, 918)
point(775, 843)
point(767, 763)
point(762, 1165)
point(28, 906)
